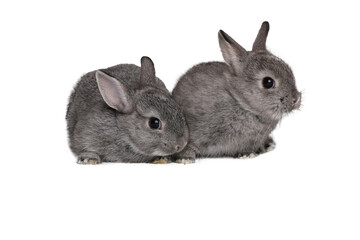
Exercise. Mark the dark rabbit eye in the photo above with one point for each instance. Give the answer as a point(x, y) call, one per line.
point(154, 123)
point(268, 82)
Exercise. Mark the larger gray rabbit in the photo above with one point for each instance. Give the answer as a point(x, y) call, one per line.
point(231, 108)
point(124, 114)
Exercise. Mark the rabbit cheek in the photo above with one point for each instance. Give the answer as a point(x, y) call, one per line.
point(153, 145)
point(159, 144)
point(287, 104)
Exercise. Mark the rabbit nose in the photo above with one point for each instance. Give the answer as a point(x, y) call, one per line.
point(181, 144)
point(297, 101)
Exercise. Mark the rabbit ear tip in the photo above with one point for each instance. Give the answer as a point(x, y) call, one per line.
point(266, 24)
point(145, 59)
point(99, 73)
point(221, 33)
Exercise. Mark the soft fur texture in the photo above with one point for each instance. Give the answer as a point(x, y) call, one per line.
point(112, 124)
point(227, 109)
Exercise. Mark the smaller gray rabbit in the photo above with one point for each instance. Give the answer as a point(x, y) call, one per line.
point(231, 108)
point(124, 114)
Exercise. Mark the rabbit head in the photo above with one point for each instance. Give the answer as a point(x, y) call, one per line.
point(151, 121)
point(265, 83)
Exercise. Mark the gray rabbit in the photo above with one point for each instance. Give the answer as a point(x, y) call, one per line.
point(231, 108)
point(124, 114)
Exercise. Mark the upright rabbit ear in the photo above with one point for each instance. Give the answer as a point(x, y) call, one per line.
point(260, 41)
point(232, 52)
point(147, 71)
point(114, 93)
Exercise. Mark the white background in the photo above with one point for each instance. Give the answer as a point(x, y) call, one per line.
point(307, 188)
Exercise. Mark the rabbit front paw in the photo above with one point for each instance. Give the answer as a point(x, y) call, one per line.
point(247, 155)
point(185, 161)
point(186, 156)
point(162, 160)
point(89, 158)
point(270, 146)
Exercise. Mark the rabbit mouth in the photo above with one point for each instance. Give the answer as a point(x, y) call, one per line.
point(160, 153)
point(285, 107)
point(163, 153)
point(170, 150)
point(280, 111)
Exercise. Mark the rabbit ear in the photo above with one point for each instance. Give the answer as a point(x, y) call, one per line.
point(147, 71)
point(114, 93)
point(260, 41)
point(232, 52)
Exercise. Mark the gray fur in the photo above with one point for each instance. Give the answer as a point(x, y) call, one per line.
point(111, 125)
point(227, 109)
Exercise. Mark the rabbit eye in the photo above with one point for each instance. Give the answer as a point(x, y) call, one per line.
point(268, 82)
point(154, 123)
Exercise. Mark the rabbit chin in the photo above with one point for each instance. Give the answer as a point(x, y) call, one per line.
point(275, 115)
point(280, 113)
point(159, 152)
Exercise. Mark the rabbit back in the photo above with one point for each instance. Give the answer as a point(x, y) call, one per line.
point(86, 94)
